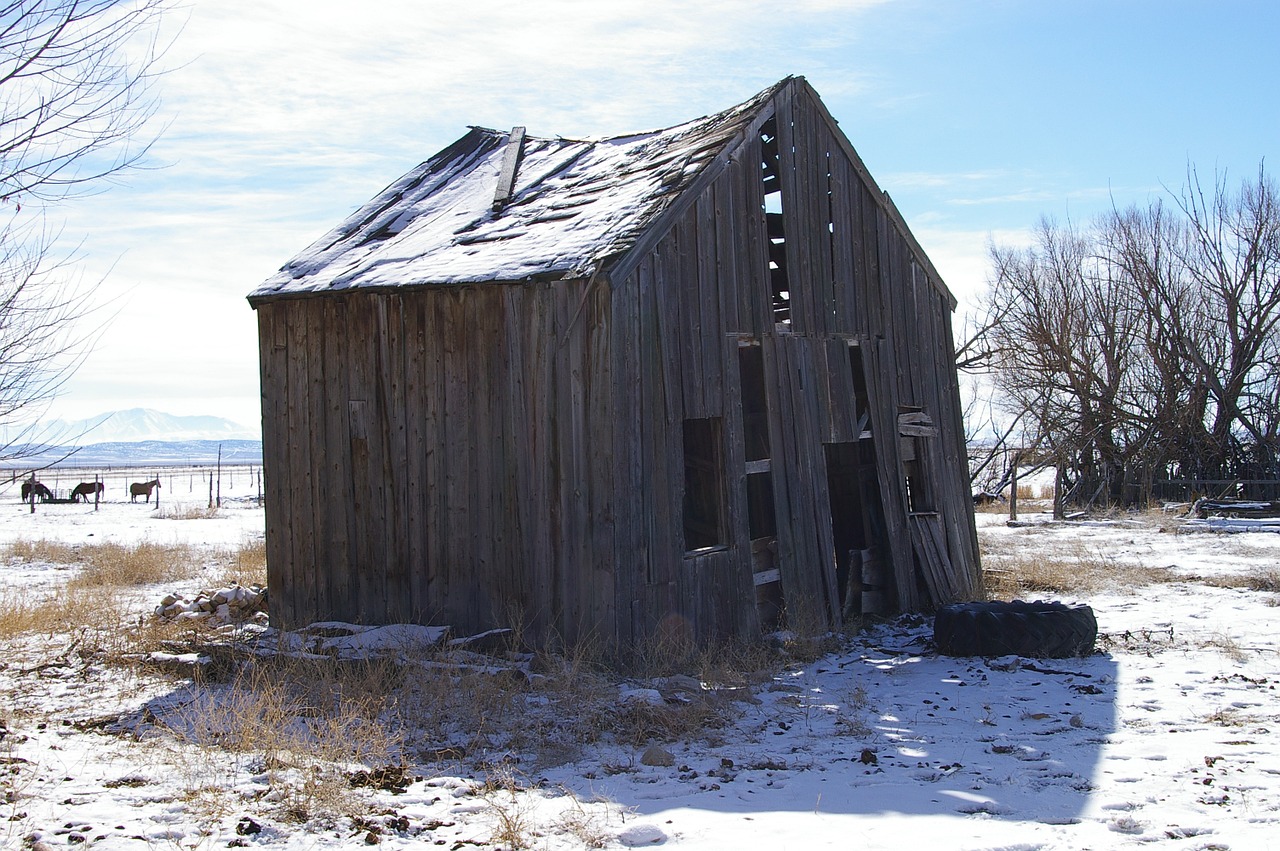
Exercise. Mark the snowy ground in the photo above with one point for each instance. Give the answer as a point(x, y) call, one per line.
point(1165, 738)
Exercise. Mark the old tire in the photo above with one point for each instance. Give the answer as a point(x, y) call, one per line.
point(1044, 630)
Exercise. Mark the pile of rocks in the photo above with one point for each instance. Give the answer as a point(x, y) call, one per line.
point(236, 604)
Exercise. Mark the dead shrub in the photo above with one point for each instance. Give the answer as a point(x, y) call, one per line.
point(186, 511)
point(637, 722)
point(144, 563)
point(111, 564)
point(309, 725)
point(23, 612)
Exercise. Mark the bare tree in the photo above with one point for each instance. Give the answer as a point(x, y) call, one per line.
point(1233, 258)
point(1066, 346)
point(76, 95)
point(1148, 344)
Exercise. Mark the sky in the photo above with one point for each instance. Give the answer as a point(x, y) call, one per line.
point(278, 118)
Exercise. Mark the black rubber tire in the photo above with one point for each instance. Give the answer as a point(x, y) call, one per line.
point(1040, 630)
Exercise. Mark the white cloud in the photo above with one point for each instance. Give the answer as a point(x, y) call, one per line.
point(283, 115)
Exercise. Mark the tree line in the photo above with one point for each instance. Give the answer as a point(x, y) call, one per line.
point(1143, 346)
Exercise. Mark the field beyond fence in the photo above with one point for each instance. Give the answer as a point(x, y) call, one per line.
point(187, 483)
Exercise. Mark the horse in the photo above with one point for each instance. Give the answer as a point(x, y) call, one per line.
point(85, 489)
point(142, 489)
point(31, 486)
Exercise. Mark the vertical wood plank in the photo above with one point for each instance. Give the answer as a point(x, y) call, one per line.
point(418, 454)
point(273, 337)
point(394, 427)
point(711, 328)
point(303, 574)
point(458, 603)
point(727, 214)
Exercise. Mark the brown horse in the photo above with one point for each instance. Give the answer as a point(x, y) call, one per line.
point(143, 489)
point(87, 489)
point(31, 486)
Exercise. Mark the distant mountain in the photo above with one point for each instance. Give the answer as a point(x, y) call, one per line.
point(142, 453)
point(144, 424)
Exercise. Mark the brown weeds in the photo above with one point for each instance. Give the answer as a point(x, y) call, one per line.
point(186, 511)
point(1012, 570)
point(307, 723)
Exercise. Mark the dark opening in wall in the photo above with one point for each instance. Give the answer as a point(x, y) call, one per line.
point(761, 517)
point(860, 412)
point(848, 521)
point(919, 493)
point(771, 178)
point(704, 484)
point(755, 411)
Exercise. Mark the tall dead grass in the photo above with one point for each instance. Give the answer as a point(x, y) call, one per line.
point(247, 564)
point(95, 596)
point(23, 612)
point(1013, 568)
point(112, 564)
point(319, 730)
point(187, 511)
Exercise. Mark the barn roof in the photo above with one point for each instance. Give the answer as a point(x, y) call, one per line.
point(573, 205)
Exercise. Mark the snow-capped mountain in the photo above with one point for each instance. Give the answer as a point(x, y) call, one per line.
point(139, 424)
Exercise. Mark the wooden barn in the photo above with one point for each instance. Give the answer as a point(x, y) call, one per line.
point(698, 381)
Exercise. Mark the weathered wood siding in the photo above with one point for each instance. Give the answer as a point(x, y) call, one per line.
point(442, 455)
point(857, 278)
point(511, 454)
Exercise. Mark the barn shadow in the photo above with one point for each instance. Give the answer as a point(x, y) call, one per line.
point(894, 733)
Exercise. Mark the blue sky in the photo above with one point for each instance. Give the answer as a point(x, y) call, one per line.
point(282, 116)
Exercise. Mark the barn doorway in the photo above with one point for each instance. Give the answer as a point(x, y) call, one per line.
point(762, 518)
point(858, 529)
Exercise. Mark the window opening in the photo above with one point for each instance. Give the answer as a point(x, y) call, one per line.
point(704, 484)
point(771, 181)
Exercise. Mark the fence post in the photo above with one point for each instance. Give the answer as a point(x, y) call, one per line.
point(1013, 487)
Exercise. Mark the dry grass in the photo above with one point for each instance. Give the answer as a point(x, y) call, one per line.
point(53, 552)
point(1227, 646)
point(638, 723)
point(24, 612)
point(94, 599)
point(1265, 579)
point(245, 565)
point(1012, 570)
point(145, 563)
point(110, 564)
point(514, 827)
point(185, 511)
point(311, 726)
point(588, 826)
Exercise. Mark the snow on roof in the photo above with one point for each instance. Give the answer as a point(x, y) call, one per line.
point(574, 203)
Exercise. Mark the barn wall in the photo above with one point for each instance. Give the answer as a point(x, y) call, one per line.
point(857, 280)
point(441, 456)
point(500, 454)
